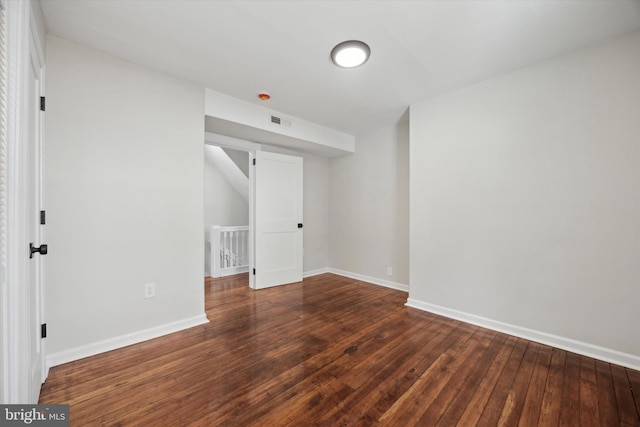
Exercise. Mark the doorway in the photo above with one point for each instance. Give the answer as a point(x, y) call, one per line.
point(275, 213)
point(231, 183)
point(226, 211)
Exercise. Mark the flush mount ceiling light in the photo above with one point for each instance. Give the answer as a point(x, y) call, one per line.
point(350, 54)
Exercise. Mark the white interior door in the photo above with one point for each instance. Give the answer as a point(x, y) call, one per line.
point(22, 368)
point(33, 205)
point(278, 219)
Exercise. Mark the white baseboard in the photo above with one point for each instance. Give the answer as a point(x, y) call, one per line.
point(232, 271)
point(583, 348)
point(315, 272)
point(375, 281)
point(123, 341)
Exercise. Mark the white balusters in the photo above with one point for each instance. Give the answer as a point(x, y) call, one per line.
point(229, 250)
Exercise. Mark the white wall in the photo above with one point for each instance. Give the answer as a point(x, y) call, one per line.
point(124, 200)
point(222, 205)
point(525, 206)
point(316, 213)
point(369, 206)
point(315, 208)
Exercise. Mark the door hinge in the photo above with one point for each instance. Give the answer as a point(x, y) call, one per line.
point(42, 103)
point(43, 330)
point(254, 162)
point(254, 271)
point(43, 217)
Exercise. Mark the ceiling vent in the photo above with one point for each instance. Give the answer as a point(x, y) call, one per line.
point(278, 121)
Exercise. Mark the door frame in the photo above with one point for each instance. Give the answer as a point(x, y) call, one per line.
point(250, 147)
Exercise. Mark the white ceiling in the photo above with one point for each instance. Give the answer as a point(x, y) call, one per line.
point(419, 49)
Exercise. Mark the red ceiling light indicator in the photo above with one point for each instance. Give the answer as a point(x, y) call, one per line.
point(264, 96)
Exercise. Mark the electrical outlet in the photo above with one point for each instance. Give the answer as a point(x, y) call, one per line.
point(389, 271)
point(149, 290)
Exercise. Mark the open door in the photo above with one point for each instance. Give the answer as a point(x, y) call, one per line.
point(22, 352)
point(278, 219)
point(33, 247)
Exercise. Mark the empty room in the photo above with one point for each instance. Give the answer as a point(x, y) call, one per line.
point(270, 213)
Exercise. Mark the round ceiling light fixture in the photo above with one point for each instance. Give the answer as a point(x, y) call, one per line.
point(350, 54)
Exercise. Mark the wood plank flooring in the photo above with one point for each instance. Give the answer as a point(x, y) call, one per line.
point(333, 351)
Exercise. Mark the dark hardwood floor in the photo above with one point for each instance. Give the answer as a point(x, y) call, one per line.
point(333, 351)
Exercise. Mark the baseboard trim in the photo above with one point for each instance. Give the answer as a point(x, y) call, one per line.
point(316, 272)
point(123, 341)
point(375, 281)
point(602, 353)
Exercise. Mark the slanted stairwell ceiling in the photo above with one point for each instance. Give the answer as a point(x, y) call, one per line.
point(240, 158)
point(217, 158)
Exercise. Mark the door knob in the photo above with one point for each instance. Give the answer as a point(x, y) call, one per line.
point(42, 250)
